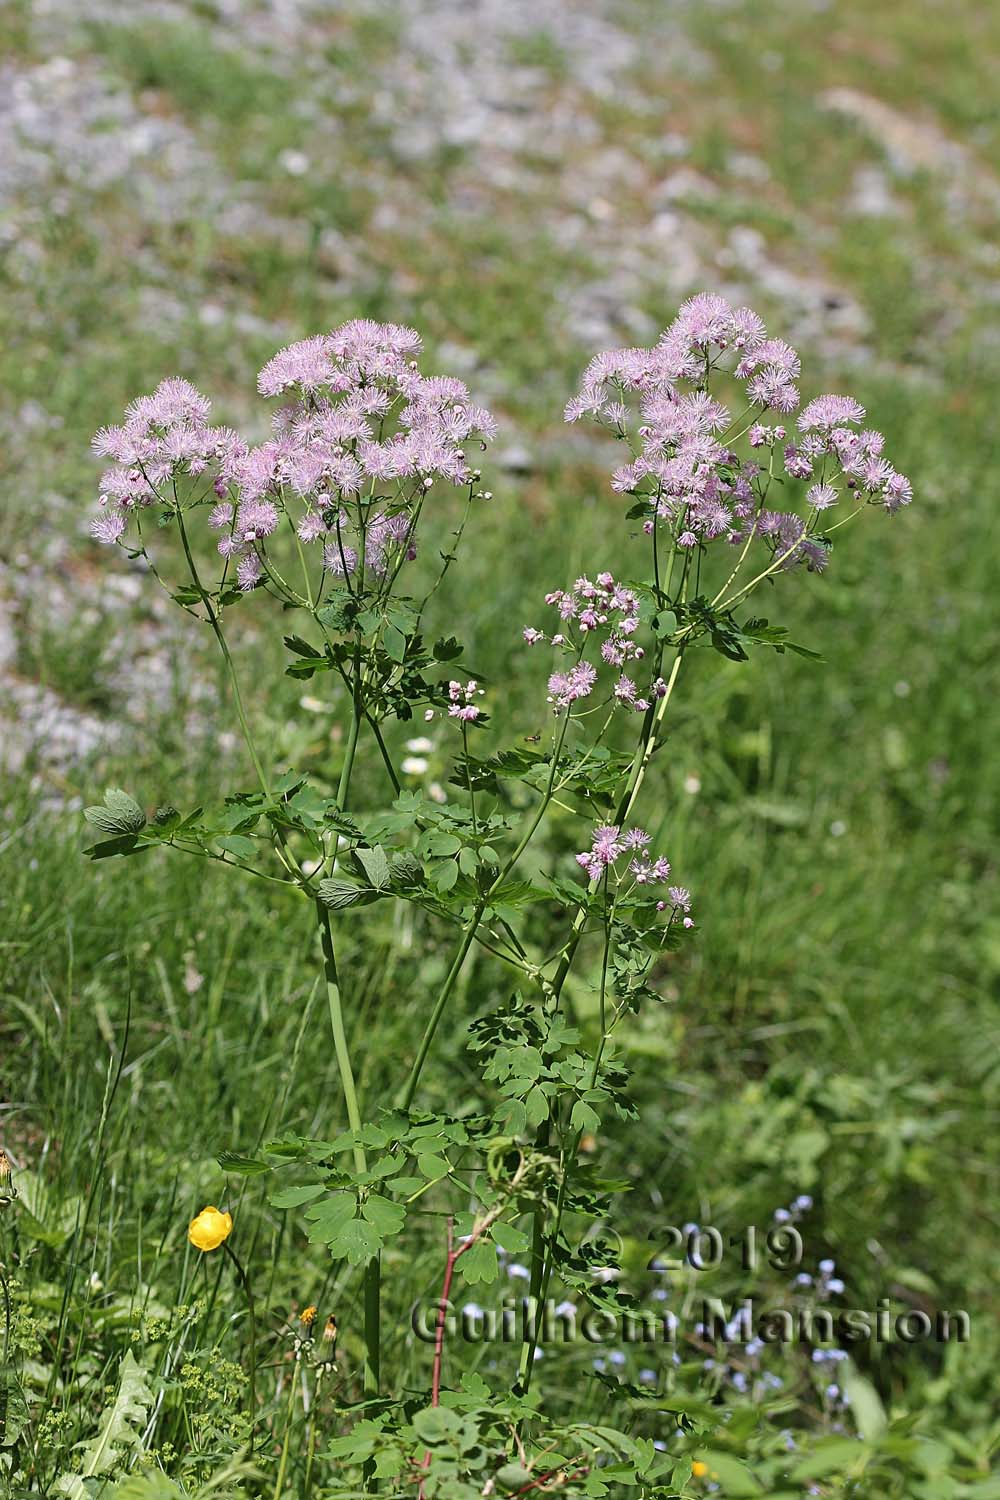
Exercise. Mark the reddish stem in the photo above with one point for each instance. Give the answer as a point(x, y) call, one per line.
point(536, 1484)
point(442, 1314)
point(479, 1228)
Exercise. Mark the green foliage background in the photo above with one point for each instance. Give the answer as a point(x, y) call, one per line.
point(836, 1033)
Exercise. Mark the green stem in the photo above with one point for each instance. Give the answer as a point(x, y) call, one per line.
point(283, 850)
point(245, 1281)
point(311, 1452)
point(6, 1320)
point(279, 1483)
point(468, 779)
point(541, 1261)
point(406, 1097)
point(543, 1255)
point(217, 631)
point(540, 810)
point(350, 751)
point(372, 1289)
point(373, 1268)
point(468, 937)
point(383, 751)
point(640, 763)
point(339, 1034)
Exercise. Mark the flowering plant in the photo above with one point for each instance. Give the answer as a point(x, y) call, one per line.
point(331, 517)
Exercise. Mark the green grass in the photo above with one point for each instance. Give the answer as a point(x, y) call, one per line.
point(837, 1031)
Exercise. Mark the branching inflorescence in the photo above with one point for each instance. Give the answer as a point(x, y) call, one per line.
point(363, 417)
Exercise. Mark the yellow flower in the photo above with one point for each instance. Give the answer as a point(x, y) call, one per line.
point(307, 1316)
point(208, 1230)
point(698, 1469)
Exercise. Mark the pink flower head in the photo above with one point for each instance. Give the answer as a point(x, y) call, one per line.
point(798, 464)
point(822, 496)
point(566, 688)
point(636, 838)
point(249, 572)
point(462, 701)
point(307, 364)
point(338, 558)
point(898, 491)
point(826, 412)
point(109, 527)
point(256, 519)
point(219, 516)
point(311, 527)
point(604, 850)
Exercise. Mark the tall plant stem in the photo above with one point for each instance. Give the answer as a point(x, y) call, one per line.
point(219, 633)
point(637, 772)
point(248, 1293)
point(468, 937)
point(359, 711)
point(546, 1261)
point(350, 750)
point(540, 1261)
point(372, 1279)
point(5, 1286)
point(373, 1269)
point(279, 1483)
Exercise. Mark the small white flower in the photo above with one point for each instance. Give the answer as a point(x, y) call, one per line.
point(295, 163)
point(414, 765)
point(421, 745)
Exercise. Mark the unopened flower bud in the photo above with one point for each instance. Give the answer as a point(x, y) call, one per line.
point(8, 1192)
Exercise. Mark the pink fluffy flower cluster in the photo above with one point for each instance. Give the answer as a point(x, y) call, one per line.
point(354, 450)
point(610, 843)
point(462, 703)
point(602, 607)
point(684, 463)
